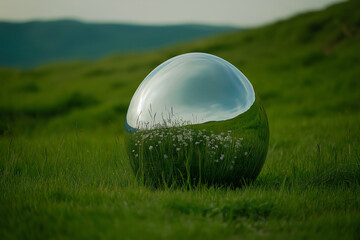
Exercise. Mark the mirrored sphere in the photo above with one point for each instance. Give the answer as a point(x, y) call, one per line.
point(196, 119)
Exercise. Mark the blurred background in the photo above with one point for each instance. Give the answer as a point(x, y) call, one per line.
point(67, 64)
point(37, 32)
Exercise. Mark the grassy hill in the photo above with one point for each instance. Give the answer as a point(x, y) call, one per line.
point(64, 172)
point(33, 43)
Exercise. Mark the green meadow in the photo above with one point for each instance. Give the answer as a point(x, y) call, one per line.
point(65, 174)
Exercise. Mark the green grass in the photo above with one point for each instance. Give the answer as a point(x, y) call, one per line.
point(64, 172)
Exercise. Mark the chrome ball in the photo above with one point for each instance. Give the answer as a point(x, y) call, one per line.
point(196, 119)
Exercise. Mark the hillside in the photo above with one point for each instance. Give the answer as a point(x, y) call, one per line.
point(33, 43)
point(64, 172)
point(307, 64)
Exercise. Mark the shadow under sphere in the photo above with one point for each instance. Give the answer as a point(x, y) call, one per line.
point(196, 119)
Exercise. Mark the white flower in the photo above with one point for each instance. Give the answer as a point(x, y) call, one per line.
point(222, 157)
point(177, 149)
point(246, 153)
point(165, 156)
point(159, 142)
point(133, 150)
point(196, 143)
point(136, 155)
point(180, 137)
point(150, 148)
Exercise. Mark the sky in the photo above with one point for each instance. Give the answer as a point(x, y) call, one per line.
point(218, 12)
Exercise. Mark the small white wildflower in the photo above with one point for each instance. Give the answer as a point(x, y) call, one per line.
point(180, 137)
point(246, 153)
point(216, 146)
point(133, 150)
point(165, 156)
point(216, 160)
point(177, 149)
point(196, 143)
point(150, 148)
point(222, 157)
point(159, 142)
point(228, 138)
point(136, 155)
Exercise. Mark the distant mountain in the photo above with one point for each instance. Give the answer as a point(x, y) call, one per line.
point(29, 44)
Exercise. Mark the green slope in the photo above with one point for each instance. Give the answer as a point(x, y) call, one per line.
point(303, 67)
point(64, 173)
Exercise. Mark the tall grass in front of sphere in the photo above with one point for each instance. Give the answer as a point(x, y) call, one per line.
point(186, 156)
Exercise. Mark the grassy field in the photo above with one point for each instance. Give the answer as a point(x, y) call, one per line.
point(64, 172)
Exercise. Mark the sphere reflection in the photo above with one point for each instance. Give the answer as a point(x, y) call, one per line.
point(196, 119)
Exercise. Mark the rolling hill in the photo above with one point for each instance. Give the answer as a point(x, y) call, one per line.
point(33, 43)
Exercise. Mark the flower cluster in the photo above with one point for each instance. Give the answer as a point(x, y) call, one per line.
point(172, 143)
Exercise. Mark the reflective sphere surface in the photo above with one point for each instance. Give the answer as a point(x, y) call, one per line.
point(196, 119)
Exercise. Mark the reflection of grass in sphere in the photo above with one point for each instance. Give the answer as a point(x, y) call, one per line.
point(183, 155)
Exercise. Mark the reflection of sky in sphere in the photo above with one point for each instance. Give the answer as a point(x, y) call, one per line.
point(198, 87)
